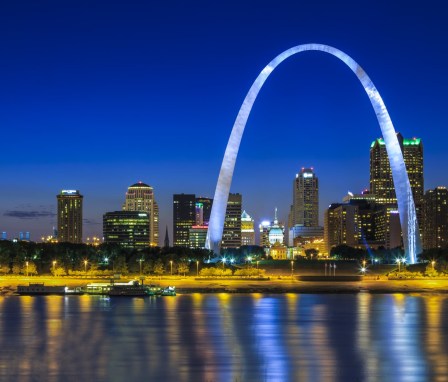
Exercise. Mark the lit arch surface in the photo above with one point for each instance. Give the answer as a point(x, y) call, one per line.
point(406, 206)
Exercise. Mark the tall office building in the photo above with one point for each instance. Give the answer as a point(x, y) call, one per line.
point(435, 218)
point(205, 205)
point(305, 207)
point(184, 217)
point(247, 229)
point(70, 216)
point(140, 197)
point(231, 237)
point(381, 183)
point(341, 225)
point(129, 229)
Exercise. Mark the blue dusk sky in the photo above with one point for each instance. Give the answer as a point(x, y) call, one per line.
point(96, 95)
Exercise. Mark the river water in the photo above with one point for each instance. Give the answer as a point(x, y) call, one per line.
point(225, 337)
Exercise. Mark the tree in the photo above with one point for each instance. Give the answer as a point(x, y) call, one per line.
point(311, 253)
point(29, 270)
point(158, 268)
point(120, 265)
point(58, 271)
point(183, 267)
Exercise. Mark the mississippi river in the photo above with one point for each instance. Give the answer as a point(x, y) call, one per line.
point(225, 337)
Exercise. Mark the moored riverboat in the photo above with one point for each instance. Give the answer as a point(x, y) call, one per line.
point(41, 289)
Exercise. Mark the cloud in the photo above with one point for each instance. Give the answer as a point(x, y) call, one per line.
point(29, 214)
point(90, 222)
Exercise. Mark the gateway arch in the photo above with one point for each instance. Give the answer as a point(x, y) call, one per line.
point(405, 200)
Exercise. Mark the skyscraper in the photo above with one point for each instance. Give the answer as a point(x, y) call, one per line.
point(231, 237)
point(129, 229)
point(70, 216)
point(305, 209)
point(140, 197)
point(247, 229)
point(184, 217)
point(381, 183)
point(435, 218)
point(206, 208)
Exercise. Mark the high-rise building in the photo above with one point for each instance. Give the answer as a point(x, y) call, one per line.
point(231, 237)
point(206, 207)
point(341, 225)
point(70, 216)
point(264, 233)
point(247, 229)
point(361, 222)
point(140, 197)
point(197, 236)
point(381, 183)
point(129, 229)
point(435, 218)
point(305, 210)
point(184, 217)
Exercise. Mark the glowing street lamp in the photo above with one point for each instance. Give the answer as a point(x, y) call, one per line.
point(433, 263)
point(85, 267)
point(398, 261)
point(171, 264)
point(363, 270)
point(28, 264)
point(54, 265)
point(258, 271)
point(197, 268)
point(141, 261)
point(249, 259)
point(292, 268)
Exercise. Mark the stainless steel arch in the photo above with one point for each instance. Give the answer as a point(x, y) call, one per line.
point(406, 206)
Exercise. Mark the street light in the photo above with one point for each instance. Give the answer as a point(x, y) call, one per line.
point(140, 261)
point(292, 268)
point(27, 268)
point(171, 264)
point(258, 271)
point(54, 265)
point(398, 261)
point(85, 267)
point(197, 268)
point(433, 263)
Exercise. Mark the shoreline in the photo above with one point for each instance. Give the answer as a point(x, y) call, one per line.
point(189, 285)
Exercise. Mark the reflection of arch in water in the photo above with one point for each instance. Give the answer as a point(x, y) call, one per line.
point(406, 206)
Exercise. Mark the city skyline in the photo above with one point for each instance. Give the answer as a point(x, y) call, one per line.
point(69, 87)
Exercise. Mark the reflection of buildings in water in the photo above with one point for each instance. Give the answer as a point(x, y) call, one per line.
point(364, 341)
point(271, 353)
point(232, 341)
point(27, 329)
point(324, 366)
point(403, 344)
point(435, 347)
point(54, 332)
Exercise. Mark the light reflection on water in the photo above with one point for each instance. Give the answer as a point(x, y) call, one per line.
point(223, 337)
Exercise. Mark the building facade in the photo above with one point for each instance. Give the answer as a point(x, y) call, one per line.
point(184, 217)
point(130, 229)
point(140, 197)
point(247, 229)
point(305, 208)
point(435, 218)
point(70, 216)
point(231, 237)
point(197, 236)
point(381, 182)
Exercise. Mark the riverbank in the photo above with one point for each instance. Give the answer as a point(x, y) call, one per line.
point(8, 285)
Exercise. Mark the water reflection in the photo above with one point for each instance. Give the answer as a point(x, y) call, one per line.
point(225, 337)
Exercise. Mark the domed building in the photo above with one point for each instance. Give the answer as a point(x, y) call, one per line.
point(276, 232)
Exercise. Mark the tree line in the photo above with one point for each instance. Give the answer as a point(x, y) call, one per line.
point(79, 259)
